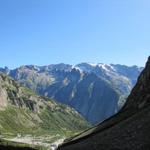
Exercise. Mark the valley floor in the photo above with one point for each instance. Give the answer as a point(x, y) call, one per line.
point(42, 143)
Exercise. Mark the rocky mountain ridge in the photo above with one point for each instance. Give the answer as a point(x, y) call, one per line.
point(92, 89)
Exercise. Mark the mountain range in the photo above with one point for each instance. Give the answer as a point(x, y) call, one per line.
point(98, 90)
point(128, 129)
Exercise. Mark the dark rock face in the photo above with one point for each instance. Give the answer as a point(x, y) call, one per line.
point(129, 129)
point(140, 95)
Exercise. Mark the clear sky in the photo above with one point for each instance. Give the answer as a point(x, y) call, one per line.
point(43, 32)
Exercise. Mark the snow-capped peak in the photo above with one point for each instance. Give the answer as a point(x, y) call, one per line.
point(93, 64)
point(77, 68)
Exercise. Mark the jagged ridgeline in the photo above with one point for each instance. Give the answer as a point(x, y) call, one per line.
point(24, 112)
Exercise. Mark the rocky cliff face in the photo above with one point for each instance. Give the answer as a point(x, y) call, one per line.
point(97, 90)
point(129, 129)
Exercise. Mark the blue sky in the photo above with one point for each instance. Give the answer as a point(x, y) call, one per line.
point(43, 32)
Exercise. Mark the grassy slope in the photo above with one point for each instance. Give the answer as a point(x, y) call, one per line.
point(15, 120)
point(45, 118)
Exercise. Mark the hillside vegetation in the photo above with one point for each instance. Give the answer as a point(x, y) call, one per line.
point(23, 113)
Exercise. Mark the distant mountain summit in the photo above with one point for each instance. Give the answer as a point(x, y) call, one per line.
point(123, 77)
point(97, 90)
point(128, 129)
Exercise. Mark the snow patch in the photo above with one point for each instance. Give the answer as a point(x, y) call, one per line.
point(93, 64)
